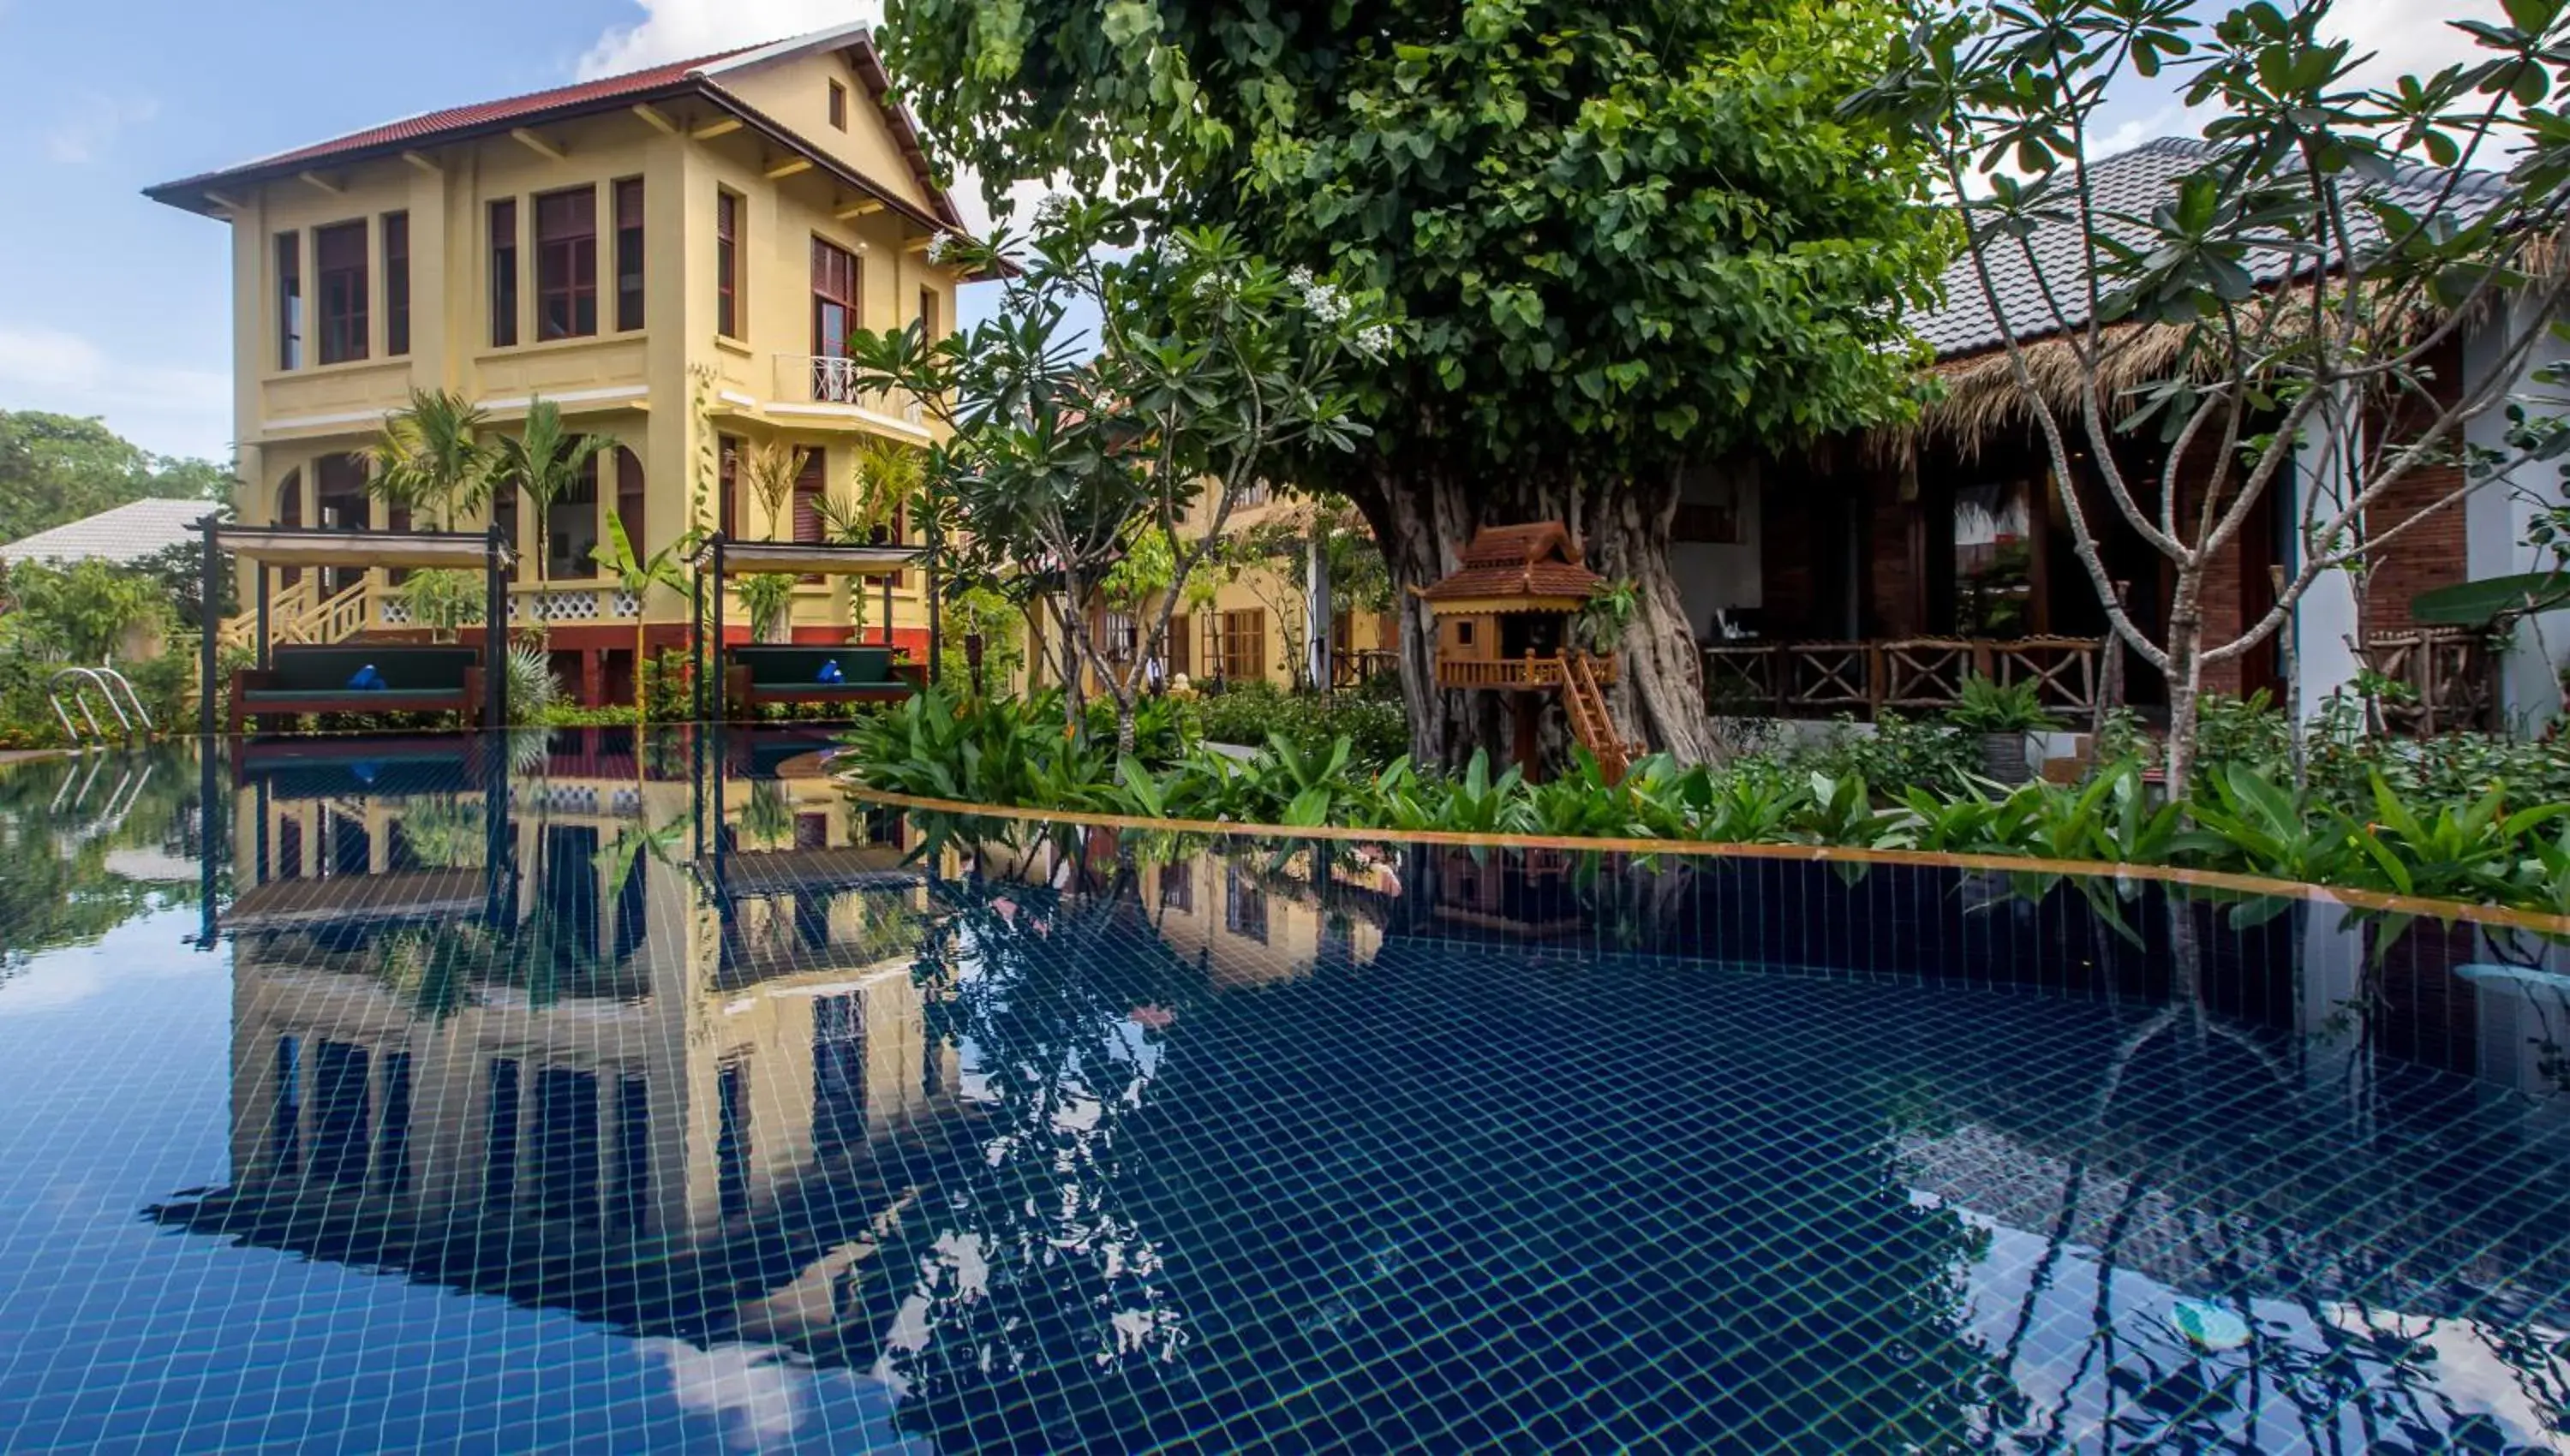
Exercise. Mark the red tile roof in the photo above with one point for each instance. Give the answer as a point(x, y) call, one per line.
point(1500, 545)
point(1539, 559)
point(700, 76)
point(480, 116)
point(1534, 578)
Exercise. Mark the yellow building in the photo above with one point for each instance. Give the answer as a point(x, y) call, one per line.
point(1242, 621)
point(673, 256)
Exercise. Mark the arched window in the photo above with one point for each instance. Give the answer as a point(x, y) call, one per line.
point(289, 512)
point(571, 526)
point(631, 500)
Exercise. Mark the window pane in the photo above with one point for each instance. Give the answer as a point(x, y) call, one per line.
point(504, 273)
point(396, 282)
point(628, 253)
point(339, 251)
point(1993, 561)
point(289, 300)
point(727, 266)
point(567, 264)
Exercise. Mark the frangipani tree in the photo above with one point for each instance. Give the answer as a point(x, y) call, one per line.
point(1209, 366)
point(2294, 303)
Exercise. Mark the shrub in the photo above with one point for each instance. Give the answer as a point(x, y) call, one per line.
point(1900, 750)
point(1988, 707)
point(1375, 728)
point(534, 691)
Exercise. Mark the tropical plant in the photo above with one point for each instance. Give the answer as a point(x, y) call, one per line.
point(442, 601)
point(79, 613)
point(1105, 475)
point(431, 459)
point(771, 469)
point(2290, 291)
point(1609, 611)
point(637, 575)
point(1897, 750)
point(532, 689)
point(1985, 706)
point(769, 597)
point(542, 462)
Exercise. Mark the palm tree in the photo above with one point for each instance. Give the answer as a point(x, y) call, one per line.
point(884, 477)
point(771, 468)
point(431, 459)
point(542, 462)
point(637, 574)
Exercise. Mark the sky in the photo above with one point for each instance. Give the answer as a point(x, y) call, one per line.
point(114, 307)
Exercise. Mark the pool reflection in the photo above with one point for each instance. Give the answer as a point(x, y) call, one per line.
point(1074, 1138)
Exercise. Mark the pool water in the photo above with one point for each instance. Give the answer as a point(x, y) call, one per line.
point(548, 1095)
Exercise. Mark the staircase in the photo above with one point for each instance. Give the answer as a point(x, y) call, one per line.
point(301, 614)
point(1590, 723)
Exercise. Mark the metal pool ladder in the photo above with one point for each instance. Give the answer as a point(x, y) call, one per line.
point(79, 684)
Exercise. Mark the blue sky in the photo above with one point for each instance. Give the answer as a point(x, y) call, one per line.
point(114, 306)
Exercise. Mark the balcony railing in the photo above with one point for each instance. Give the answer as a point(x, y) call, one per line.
point(1817, 679)
point(836, 382)
point(1519, 672)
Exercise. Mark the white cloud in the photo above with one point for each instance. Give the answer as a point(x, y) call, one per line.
point(164, 407)
point(89, 125)
point(677, 30)
point(2407, 37)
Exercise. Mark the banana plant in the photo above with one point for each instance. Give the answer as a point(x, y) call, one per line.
point(636, 575)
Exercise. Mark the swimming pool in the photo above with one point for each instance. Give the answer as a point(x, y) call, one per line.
point(548, 1095)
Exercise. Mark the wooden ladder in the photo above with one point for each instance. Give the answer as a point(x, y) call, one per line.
point(1590, 723)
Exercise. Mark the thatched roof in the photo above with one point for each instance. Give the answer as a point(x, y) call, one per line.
point(2041, 291)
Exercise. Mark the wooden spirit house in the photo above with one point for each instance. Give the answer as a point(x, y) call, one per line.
point(1507, 622)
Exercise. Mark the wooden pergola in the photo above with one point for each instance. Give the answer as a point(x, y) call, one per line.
point(287, 547)
point(722, 558)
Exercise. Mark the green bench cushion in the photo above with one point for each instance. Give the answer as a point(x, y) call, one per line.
point(344, 694)
point(403, 667)
point(800, 668)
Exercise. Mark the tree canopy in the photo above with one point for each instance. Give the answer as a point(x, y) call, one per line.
point(1612, 238)
point(56, 469)
point(1642, 222)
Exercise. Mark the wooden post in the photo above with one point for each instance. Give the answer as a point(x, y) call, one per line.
point(936, 620)
point(265, 648)
point(495, 634)
point(713, 665)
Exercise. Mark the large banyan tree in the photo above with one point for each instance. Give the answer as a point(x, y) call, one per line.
point(1622, 238)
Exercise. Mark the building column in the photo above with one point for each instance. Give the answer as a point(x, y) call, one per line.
point(2494, 521)
point(2326, 621)
point(1316, 611)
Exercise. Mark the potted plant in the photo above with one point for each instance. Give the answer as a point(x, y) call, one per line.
point(769, 597)
point(2003, 716)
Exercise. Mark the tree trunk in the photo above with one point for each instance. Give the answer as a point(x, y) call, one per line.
point(2185, 680)
point(1423, 520)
